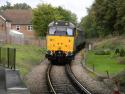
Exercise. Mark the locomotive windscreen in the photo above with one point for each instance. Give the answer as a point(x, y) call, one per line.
point(61, 31)
point(61, 28)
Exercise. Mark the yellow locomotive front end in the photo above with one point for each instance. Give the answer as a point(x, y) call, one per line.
point(60, 41)
point(63, 43)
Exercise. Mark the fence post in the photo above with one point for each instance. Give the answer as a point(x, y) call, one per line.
point(84, 56)
point(107, 73)
point(8, 63)
point(0, 55)
point(14, 66)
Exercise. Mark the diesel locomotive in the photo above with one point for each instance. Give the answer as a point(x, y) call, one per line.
point(63, 41)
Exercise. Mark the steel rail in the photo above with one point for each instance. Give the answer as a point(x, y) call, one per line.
point(52, 90)
point(74, 80)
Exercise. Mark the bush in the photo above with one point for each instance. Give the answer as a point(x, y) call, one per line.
point(122, 53)
point(117, 51)
point(103, 52)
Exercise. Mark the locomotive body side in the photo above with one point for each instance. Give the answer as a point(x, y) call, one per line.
point(79, 42)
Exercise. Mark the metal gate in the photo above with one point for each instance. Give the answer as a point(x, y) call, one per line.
point(8, 57)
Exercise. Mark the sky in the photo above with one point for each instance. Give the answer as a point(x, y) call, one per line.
point(76, 6)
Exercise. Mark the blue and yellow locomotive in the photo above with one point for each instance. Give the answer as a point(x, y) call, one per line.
point(63, 41)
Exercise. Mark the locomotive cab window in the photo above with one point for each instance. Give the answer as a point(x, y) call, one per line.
point(52, 30)
point(69, 31)
point(61, 28)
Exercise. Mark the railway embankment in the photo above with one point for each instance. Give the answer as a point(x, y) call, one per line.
point(110, 66)
point(87, 79)
point(36, 79)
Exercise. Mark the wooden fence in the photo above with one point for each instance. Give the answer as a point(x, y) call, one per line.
point(7, 39)
point(8, 57)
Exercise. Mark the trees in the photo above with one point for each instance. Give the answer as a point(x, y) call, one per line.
point(66, 15)
point(45, 13)
point(120, 21)
point(21, 6)
point(42, 16)
point(87, 24)
point(15, 6)
point(7, 6)
point(107, 17)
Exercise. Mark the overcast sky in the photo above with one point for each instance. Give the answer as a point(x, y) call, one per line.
point(76, 6)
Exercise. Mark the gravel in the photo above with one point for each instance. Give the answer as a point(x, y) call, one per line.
point(36, 79)
point(61, 81)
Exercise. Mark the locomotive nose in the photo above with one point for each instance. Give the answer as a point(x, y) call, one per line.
point(59, 48)
point(60, 45)
point(63, 43)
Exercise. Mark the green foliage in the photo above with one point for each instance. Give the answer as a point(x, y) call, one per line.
point(102, 52)
point(15, 6)
point(105, 17)
point(87, 24)
point(21, 6)
point(117, 51)
point(7, 6)
point(42, 16)
point(65, 15)
point(122, 53)
point(45, 13)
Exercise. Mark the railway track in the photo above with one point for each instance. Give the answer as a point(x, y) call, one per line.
point(52, 90)
point(75, 82)
point(68, 83)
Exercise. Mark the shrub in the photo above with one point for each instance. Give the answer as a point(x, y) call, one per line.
point(122, 53)
point(117, 51)
point(102, 52)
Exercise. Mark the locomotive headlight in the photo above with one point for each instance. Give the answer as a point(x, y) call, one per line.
point(56, 23)
point(48, 52)
point(51, 52)
point(69, 54)
point(66, 23)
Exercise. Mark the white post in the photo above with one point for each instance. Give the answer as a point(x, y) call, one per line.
point(90, 47)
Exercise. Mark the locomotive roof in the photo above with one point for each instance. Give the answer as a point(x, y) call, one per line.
point(61, 23)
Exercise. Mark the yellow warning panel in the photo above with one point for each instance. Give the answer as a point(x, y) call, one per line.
point(63, 43)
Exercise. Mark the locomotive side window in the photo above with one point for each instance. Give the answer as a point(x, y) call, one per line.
point(52, 30)
point(69, 31)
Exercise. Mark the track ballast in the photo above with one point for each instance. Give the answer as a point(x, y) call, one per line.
point(62, 80)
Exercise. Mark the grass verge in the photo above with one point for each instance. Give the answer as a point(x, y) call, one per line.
point(103, 63)
point(27, 57)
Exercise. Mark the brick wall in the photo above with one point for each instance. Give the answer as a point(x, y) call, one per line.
point(24, 30)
